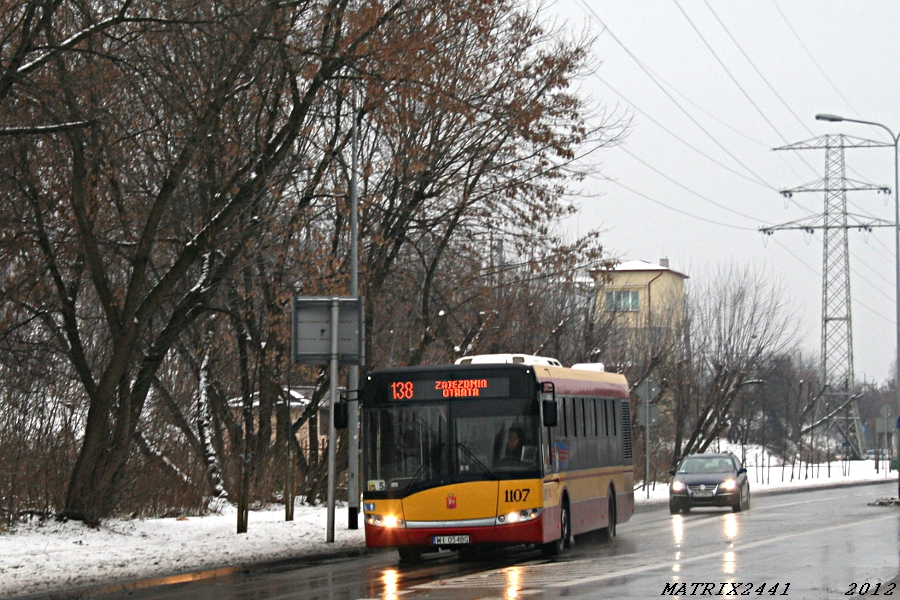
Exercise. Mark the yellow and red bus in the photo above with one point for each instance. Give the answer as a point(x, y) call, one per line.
point(436, 454)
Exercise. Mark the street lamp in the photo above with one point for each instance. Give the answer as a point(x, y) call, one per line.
point(894, 138)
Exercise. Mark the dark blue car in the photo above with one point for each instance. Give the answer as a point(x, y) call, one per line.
point(709, 480)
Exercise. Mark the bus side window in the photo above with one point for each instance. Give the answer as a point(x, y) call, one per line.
point(605, 418)
point(594, 415)
point(574, 404)
point(565, 416)
point(612, 417)
point(584, 416)
point(574, 417)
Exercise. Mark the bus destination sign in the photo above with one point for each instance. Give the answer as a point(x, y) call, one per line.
point(438, 389)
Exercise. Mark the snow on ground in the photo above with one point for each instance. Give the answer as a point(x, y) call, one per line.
point(43, 557)
point(51, 556)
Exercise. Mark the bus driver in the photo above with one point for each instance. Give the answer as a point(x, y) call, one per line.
point(514, 441)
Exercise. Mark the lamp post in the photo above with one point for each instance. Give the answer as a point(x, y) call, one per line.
point(894, 138)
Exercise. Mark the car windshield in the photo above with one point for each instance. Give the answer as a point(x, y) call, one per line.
point(705, 464)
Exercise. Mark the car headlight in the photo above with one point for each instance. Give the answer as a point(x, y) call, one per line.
point(728, 484)
point(384, 521)
point(519, 516)
point(677, 486)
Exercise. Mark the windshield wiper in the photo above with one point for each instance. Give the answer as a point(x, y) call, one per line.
point(415, 479)
point(475, 459)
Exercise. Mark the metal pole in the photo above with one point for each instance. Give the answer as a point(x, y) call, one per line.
point(353, 377)
point(288, 461)
point(332, 437)
point(897, 269)
point(765, 454)
point(647, 445)
point(894, 138)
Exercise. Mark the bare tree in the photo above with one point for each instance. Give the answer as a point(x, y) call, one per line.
point(164, 161)
point(195, 110)
point(738, 321)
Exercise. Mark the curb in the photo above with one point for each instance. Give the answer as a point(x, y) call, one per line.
point(273, 566)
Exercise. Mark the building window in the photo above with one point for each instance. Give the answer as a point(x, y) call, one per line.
point(622, 301)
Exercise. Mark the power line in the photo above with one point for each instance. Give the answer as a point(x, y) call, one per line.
point(730, 74)
point(812, 58)
point(678, 210)
point(662, 88)
point(856, 301)
point(758, 72)
point(657, 80)
point(759, 182)
point(685, 188)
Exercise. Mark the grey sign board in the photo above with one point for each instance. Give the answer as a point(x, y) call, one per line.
point(311, 342)
point(647, 390)
point(647, 414)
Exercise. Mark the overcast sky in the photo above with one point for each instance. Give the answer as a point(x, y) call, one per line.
point(712, 88)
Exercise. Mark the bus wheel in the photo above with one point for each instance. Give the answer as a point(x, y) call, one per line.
point(556, 547)
point(610, 530)
point(409, 554)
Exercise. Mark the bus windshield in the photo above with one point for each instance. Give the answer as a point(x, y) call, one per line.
point(415, 446)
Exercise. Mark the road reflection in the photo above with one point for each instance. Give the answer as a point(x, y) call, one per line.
point(513, 575)
point(728, 563)
point(390, 579)
point(678, 529)
point(730, 527)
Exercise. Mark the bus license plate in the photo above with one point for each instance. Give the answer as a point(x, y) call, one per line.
point(441, 540)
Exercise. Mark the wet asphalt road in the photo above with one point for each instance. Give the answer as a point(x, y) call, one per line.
point(820, 544)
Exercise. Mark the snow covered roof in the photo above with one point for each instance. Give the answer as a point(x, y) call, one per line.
point(643, 265)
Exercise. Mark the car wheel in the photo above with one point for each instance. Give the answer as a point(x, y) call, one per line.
point(743, 501)
point(556, 547)
point(674, 509)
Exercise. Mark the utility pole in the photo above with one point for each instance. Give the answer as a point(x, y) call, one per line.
point(353, 376)
point(837, 326)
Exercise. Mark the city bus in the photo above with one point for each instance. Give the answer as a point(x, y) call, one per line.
point(495, 450)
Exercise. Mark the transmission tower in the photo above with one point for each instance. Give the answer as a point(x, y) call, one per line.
point(836, 405)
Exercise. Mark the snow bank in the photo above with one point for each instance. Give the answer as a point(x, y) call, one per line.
point(40, 557)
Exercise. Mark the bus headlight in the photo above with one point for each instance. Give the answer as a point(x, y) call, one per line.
point(386, 521)
point(728, 484)
point(519, 516)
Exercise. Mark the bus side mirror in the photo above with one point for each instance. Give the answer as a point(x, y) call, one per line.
point(551, 414)
point(342, 409)
point(548, 404)
point(340, 415)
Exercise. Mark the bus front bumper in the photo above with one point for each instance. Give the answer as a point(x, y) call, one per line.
point(455, 535)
